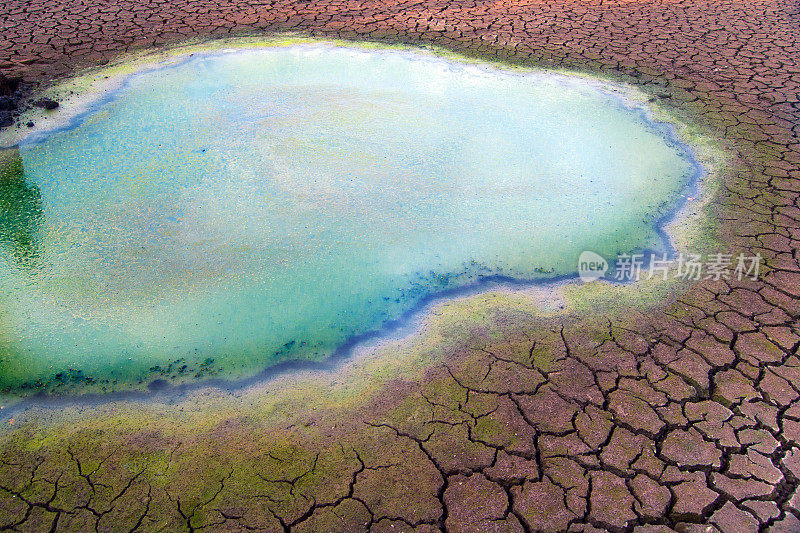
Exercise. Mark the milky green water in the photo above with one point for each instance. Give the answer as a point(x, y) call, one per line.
point(237, 209)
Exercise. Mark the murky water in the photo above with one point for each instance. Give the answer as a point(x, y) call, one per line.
point(237, 209)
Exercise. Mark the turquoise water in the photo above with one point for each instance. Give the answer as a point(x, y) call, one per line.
point(237, 209)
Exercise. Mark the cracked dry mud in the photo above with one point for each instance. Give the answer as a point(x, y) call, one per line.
point(681, 416)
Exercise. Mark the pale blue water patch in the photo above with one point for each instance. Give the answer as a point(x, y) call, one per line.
point(241, 208)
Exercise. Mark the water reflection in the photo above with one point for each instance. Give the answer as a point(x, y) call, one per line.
point(21, 212)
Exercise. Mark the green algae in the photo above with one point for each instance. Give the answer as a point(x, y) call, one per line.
point(21, 212)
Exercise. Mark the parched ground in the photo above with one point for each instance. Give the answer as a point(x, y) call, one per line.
point(684, 416)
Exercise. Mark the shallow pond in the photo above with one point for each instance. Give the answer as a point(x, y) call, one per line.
point(235, 209)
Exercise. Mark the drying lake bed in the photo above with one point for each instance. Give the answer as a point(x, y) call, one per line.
point(647, 406)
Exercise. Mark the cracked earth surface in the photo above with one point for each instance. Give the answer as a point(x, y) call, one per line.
point(684, 416)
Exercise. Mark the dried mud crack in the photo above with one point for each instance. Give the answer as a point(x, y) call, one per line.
point(682, 417)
